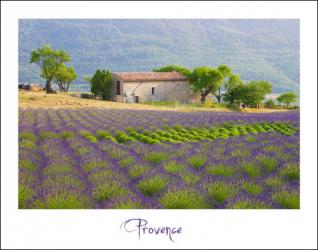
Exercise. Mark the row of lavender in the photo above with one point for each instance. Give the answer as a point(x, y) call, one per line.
point(64, 170)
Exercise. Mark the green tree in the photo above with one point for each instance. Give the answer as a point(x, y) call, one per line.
point(254, 92)
point(234, 89)
point(226, 73)
point(169, 68)
point(205, 80)
point(64, 76)
point(49, 61)
point(101, 84)
point(87, 78)
point(270, 104)
point(287, 98)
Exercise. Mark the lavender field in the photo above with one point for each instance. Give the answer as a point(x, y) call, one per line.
point(97, 158)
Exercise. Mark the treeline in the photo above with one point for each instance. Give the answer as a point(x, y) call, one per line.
point(220, 81)
point(53, 67)
point(227, 86)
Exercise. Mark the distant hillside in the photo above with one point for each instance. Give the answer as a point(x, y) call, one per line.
point(255, 49)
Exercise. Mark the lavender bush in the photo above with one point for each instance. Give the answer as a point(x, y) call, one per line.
point(94, 158)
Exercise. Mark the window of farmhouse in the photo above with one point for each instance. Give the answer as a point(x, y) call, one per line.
point(153, 91)
point(118, 88)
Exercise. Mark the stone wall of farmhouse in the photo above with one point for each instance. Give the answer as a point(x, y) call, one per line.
point(164, 91)
point(178, 91)
point(114, 80)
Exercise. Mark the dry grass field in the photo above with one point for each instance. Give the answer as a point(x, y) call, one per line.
point(28, 99)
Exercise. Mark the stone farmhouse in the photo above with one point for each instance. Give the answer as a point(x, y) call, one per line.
point(135, 87)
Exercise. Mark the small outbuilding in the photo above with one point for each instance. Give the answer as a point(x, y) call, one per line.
point(135, 87)
point(35, 87)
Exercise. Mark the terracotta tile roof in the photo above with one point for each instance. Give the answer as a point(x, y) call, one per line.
point(150, 76)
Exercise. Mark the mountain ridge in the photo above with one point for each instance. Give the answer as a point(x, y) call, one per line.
point(266, 49)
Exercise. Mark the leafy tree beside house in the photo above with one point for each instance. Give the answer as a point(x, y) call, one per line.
point(169, 68)
point(101, 84)
point(64, 76)
point(205, 80)
point(234, 89)
point(50, 62)
point(208, 80)
point(287, 98)
point(226, 72)
point(255, 91)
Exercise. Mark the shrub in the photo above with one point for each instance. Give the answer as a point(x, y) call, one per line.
point(67, 134)
point(126, 161)
point(27, 144)
point(220, 170)
point(86, 96)
point(55, 169)
point(116, 153)
point(27, 136)
point(211, 137)
point(223, 135)
point(107, 190)
point(123, 138)
point(137, 170)
point(287, 200)
point(291, 171)
point(197, 161)
point(189, 178)
point(82, 151)
point(250, 129)
point(62, 180)
point(149, 140)
point(156, 157)
point(103, 135)
point(250, 139)
point(252, 188)
point(268, 162)
point(259, 128)
point(155, 136)
point(189, 136)
point(130, 130)
point(27, 164)
point(88, 136)
point(152, 185)
point(101, 84)
point(273, 181)
point(240, 153)
point(178, 127)
point(248, 204)
point(271, 148)
point(127, 205)
point(183, 199)
point(91, 138)
point(62, 200)
point(269, 104)
point(234, 132)
point(220, 191)
point(268, 128)
point(26, 179)
point(173, 167)
point(48, 135)
point(252, 169)
point(102, 176)
point(224, 130)
point(92, 165)
point(25, 196)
